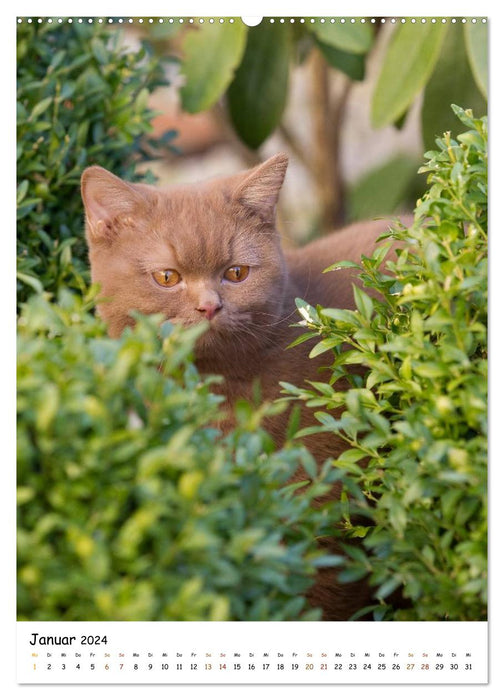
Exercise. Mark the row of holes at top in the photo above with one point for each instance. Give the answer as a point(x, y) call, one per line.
point(253, 21)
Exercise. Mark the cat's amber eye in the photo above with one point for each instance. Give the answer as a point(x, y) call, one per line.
point(237, 273)
point(167, 278)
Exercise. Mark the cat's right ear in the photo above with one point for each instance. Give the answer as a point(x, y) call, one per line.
point(260, 187)
point(108, 202)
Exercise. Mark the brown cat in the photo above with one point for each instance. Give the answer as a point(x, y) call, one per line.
point(211, 252)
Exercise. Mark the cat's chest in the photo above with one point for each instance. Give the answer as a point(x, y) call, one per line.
point(265, 372)
point(295, 368)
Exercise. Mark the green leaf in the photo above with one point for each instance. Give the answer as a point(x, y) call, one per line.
point(323, 346)
point(324, 389)
point(356, 37)
point(40, 108)
point(258, 93)
point(142, 100)
point(409, 62)
point(211, 54)
point(100, 51)
point(302, 339)
point(342, 315)
point(48, 407)
point(325, 560)
point(353, 572)
point(351, 455)
point(357, 554)
point(351, 64)
point(307, 311)
point(363, 302)
point(343, 264)
point(384, 190)
point(452, 82)
point(398, 516)
point(387, 588)
point(380, 423)
point(21, 191)
point(57, 59)
point(33, 282)
point(312, 430)
point(476, 40)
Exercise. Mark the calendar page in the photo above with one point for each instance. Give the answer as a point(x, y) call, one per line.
point(252, 350)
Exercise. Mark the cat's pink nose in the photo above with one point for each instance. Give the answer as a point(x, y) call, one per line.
point(209, 309)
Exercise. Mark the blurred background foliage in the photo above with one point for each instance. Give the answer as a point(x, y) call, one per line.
point(354, 104)
point(81, 99)
point(295, 86)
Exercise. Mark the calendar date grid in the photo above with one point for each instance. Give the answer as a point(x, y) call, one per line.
point(252, 662)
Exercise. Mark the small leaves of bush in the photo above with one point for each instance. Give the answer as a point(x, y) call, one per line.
point(131, 503)
point(415, 421)
point(81, 99)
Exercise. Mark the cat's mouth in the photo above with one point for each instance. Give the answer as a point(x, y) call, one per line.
point(212, 324)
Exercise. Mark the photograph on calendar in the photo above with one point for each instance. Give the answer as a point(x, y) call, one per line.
point(252, 319)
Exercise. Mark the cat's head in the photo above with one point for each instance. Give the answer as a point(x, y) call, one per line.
point(197, 252)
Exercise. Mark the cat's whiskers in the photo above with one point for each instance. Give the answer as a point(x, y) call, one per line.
point(261, 334)
point(279, 320)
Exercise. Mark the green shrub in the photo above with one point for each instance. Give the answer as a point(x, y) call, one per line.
point(82, 99)
point(131, 506)
point(416, 422)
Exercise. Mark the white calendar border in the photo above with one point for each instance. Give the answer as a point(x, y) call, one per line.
point(9, 625)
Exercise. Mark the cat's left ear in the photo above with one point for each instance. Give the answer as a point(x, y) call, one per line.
point(260, 188)
point(108, 201)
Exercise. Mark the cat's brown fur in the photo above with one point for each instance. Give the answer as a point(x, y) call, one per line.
point(201, 230)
